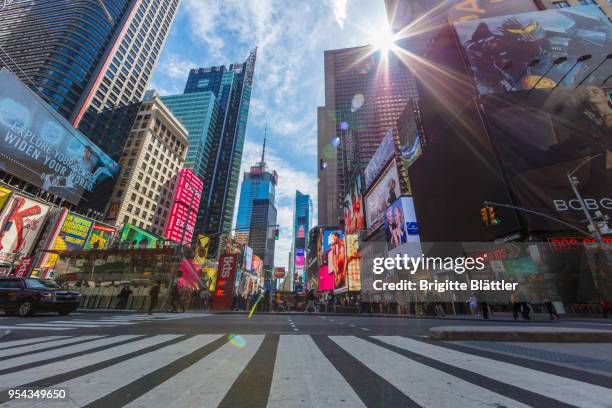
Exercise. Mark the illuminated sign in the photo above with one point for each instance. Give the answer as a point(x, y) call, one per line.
point(72, 235)
point(571, 244)
point(226, 273)
point(184, 211)
point(99, 237)
point(279, 273)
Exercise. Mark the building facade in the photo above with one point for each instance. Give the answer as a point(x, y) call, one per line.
point(87, 58)
point(154, 153)
point(261, 235)
point(302, 221)
point(365, 93)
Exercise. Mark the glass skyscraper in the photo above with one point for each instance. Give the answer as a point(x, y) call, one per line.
point(302, 221)
point(232, 90)
point(90, 60)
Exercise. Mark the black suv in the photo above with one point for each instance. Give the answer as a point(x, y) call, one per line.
point(24, 296)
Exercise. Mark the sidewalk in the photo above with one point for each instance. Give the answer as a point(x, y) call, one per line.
point(520, 334)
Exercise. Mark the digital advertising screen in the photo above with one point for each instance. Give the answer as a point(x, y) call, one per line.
point(72, 235)
point(542, 138)
point(384, 193)
point(201, 249)
point(5, 193)
point(43, 148)
point(381, 157)
point(354, 217)
point(184, 211)
point(538, 49)
point(21, 221)
point(352, 254)
point(139, 238)
point(100, 236)
point(402, 228)
point(335, 256)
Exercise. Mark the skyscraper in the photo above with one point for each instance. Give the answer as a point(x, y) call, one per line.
point(302, 221)
point(87, 57)
point(258, 184)
point(365, 93)
point(232, 90)
point(261, 236)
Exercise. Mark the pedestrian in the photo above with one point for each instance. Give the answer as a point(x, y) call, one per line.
point(515, 305)
point(310, 299)
point(205, 298)
point(123, 296)
point(473, 305)
point(606, 305)
point(175, 299)
point(154, 295)
point(485, 310)
point(550, 309)
point(526, 310)
point(440, 310)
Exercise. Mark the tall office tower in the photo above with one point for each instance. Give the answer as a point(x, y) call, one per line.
point(87, 57)
point(154, 153)
point(366, 90)
point(257, 184)
point(302, 221)
point(232, 89)
point(261, 236)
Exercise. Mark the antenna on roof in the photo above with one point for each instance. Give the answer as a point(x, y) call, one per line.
point(263, 151)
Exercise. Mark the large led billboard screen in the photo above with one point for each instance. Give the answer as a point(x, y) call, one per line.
point(402, 228)
point(184, 211)
point(352, 258)
point(384, 193)
point(20, 224)
point(541, 137)
point(538, 49)
point(100, 236)
point(41, 147)
point(354, 217)
point(138, 238)
point(381, 157)
point(72, 233)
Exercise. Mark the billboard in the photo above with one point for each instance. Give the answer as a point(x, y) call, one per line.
point(71, 235)
point(248, 258)
point(354, 218)
point(209, 276)
point(226, 273)
point(257, 266)
point(99, 237)
point(138, 238)
point(184, 211)
point(201, 250)
point(352, 261)
point(384, 193)
point(379, 160)
point(21, 221)
point(5, 193)
point(41, 147)
point(542, 138)
point(335, 256)
point(402, 228)
point(522, 51)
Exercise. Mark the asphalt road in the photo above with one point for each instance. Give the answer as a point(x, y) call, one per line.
point(281, 360)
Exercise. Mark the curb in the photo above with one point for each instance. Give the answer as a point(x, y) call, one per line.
point(520, 334)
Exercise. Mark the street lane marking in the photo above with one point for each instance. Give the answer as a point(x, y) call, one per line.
point(38, 373)
point(552, 386)
point(48, 344)
point(64, 325)
point(294, 329)
point(61, 351)
point(90, 387)
point(363, 328)
point(304, 377)
point(217, 371)
point(34, 328)
point(23, 342)
point(426, 386)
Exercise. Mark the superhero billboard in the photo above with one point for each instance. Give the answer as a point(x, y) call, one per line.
point(43, 148)
point(20, 223)
point(544, 49)
point(354, 217)
point(540, 137)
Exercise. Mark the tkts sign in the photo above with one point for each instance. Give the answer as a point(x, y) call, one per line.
point(226, 274)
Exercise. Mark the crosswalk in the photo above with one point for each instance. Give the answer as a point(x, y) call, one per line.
point(98, 321)
point(210, 370)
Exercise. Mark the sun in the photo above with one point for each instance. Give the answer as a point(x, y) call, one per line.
point(383, 40)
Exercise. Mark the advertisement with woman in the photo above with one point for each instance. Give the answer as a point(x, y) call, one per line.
point(332, 276)
point(354, 218)
point(383, 194)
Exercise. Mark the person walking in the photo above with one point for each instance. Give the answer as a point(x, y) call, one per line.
point(154, 295)
point(473, 305)
point(310, 299)
point(123, 296)
point(550, 309)
point(606, 305)
point(485, 310)
point(175, 299)
point(515, 305)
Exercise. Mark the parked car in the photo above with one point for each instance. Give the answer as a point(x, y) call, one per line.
point(26, 296)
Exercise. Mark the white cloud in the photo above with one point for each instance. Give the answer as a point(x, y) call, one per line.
point(176, 66)
point(339, 7)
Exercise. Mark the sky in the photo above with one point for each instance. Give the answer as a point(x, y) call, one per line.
point(291, 36)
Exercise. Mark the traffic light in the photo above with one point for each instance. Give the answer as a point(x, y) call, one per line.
point(276, 234)
point(492, 217)
point(484, 215)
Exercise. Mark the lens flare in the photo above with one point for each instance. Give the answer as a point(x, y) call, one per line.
point(237, 341)
point(329, 152)
point(336, 142)
point(344, 125)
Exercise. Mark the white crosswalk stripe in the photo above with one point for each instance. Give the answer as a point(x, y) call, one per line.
point(206, 370)
point(563, 389)
point(217, 370)
point(101, 321)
